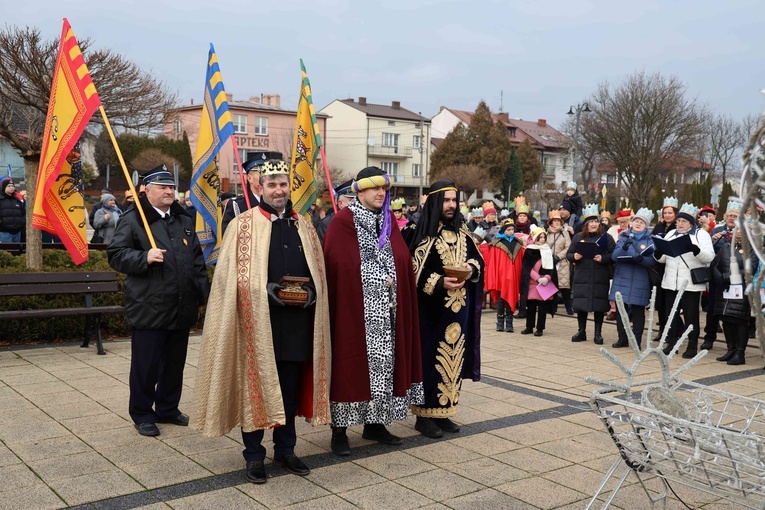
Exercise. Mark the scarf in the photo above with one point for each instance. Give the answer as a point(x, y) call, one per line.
point(505, 237)
point(545, 252)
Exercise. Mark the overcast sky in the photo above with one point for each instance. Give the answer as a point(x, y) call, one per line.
point(543, 56)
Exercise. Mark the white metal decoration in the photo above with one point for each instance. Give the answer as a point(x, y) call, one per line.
point(678, 431)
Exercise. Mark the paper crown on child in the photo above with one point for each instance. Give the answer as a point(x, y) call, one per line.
point(605, 214)
point(488, 208)
point(477, 213)
point(688, 211)
point(670, 202)
point(522, 209)
point(733, 206)
point(644, 214)
point(590, 212)
point(519, 200)
point(479, 232)
point(504, 212)
point(508, 221)
point(398, 204)
point(536, 232)
point(571, 185)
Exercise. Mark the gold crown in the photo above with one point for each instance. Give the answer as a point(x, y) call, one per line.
point(274, 167)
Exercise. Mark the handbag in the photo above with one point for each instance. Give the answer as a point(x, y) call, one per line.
point(97, 238)
point(654, 276)
point(701, 274)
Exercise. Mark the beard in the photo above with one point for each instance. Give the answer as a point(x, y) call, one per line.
point(448, 215)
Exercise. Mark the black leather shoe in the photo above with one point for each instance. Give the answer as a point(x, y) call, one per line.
point(292, 464)
point(527, 331)
point(580, 336)
point(689, 353)
point(619, 344)
point(707, 345)
point(428, 427)
point(598, 340)
point(538, 332)
point(378, 432)
point(255, 472)
point(147, 429)
point(181, 420)
point(447, 425)
point(340, 445)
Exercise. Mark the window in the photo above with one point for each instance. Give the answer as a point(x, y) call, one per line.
point(611, 179)
point(242, 158)
point(416, 170)
point(261, 125)
point(390, 168)
point(240, 123)
point(391, 122)
point(565, 163)
point(178, 127)
point(416, 141)
point(390, 140)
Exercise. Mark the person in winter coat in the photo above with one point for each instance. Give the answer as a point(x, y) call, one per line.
point(106, 218)
point(12, 212)
point(632, 256)
point(558, 239)
point(663, 226)
point(572, 196)
point(538, 271)
point(678, 270)
point(164, 289)
point(503, 273)
point(732, 307)
point(592, 275)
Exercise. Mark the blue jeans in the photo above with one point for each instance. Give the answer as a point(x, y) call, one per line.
point(7, 237)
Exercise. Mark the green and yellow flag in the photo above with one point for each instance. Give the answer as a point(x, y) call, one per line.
point(305, 150)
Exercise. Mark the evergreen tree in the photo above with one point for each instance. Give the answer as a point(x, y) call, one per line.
point(516, 175)
point(530, 164)
point(725, 194)
point(657, 197)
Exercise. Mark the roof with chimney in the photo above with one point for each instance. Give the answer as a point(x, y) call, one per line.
point(392, 111)
point(540, 134)
point(264, 103)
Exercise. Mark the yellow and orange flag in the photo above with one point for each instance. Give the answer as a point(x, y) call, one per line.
point(306, 146)
point(59, 205)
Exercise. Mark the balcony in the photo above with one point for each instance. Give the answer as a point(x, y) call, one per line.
point(389, 151)
point(408, 180)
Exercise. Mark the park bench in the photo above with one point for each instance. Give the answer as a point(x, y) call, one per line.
point(46, 284)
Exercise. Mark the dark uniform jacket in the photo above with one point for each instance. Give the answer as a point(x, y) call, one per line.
point(591, 280)
point(729, 310)
point(161, 295)
point(235, 207)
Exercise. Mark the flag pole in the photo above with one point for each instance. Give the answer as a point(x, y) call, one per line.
point(326, 174)
point(245, 186)
point(127, 176)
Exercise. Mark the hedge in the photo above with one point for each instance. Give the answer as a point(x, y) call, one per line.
point(26, 331)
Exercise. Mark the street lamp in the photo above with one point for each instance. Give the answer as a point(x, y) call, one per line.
point(580, 108)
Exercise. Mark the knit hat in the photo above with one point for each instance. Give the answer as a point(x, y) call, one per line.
point(488, 208)
point(645, 215)
point(4, 183)
point(590, 213)
point(536, 232)
point(106, 197)
point(688, 212)
point(566, 205)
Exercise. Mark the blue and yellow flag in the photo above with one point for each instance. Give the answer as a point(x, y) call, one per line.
point(305, 150)
point(215, 128)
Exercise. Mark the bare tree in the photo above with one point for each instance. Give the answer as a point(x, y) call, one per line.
point(467, 178)
point(724, 138)
point(640, 125)
point(152, 158)
point(132, 99)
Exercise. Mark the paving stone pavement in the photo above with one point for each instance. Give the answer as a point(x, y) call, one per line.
point(529, 439)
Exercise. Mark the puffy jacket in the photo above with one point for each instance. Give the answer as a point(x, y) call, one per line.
point(161, 295)
point(591, 280)
point(678, 269)
point(729, 308)
point(559, 243)
point(12, 214)
point(630, 273)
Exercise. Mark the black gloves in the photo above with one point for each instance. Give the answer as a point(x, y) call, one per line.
point(272, 288)
point(657, 254)
point(637, 258)
point(311, 295)
point(695, 249)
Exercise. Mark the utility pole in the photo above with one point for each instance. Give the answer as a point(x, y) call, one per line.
point(421, 149)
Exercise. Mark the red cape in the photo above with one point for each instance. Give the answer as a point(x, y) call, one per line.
point(350, 370)
point(503, 275)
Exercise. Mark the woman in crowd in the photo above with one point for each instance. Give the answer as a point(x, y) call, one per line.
point(592, 274)
point(731, 305)
point(538, 272)
point(106, 218)
point(664, 225)
point(12, 212)
point(632, 257)
point(678, 269)
point(558, 239)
